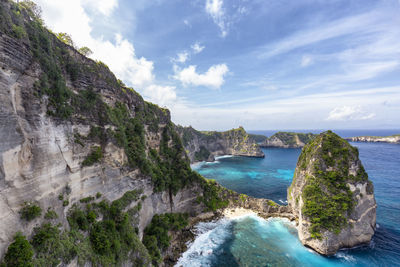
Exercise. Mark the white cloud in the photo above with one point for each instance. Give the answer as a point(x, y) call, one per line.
point(181, 57)
point(349, 113)
point(197, 48)
point(119, 54)
point(340, 27)
point(215, 9)
point(213, 77)
point(162, 95)
point(306, 61)
point(187, 23)
point(103, 6)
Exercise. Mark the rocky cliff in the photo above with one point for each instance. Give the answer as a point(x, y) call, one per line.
point(288, 140)
point(82, 157)
point(376, 139)
point(331, 196)
point(204, 146)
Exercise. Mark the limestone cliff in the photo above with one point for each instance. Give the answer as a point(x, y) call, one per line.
point(288, 140)
point(205, 145)
point(331, 196)
point(71, 131)
point(376, 139)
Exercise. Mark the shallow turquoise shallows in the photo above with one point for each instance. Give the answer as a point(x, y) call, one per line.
point(252, 241)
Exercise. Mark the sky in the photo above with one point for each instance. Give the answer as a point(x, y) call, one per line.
point(260, 64)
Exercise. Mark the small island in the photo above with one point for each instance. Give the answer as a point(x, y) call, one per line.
point(331, 196)
point(376, 139)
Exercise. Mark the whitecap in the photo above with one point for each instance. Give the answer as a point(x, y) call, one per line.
point(223, 157)
point(344, 256)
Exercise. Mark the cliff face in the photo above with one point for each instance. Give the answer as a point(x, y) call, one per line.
point(376, 139)
point(204, 146)
point(288, 140)
point(331, 196)
point(70, 130)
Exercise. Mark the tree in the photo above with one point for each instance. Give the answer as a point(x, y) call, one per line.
point(65, 38)
point(34, 10)
point(86, 51)
point(19, 253)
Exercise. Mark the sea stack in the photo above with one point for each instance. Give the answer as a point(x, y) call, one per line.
point(331, 196)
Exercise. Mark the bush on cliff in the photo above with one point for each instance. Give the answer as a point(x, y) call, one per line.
point(19, 253)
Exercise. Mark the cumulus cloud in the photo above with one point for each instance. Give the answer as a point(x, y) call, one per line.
point(181, 57)
point(349, 113)
point(197, 48)
point(215, 9)
point(119, 54)
point(162, 95)
point(103, 6)
point(212, 78)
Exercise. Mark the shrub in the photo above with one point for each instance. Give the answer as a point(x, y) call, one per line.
point(19, 253)
point(95, 155)
point(50, 214)
point(30, 211)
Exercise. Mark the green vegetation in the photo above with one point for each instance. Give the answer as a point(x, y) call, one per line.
point(289, 138)
point(327, 198)
point(19, 253)
point(213, 195)
point(272, 203)
point(202, 154)
point(156, 238)
point(258, 138)
point(30, 211)
point(95, 155)
point(50, 214)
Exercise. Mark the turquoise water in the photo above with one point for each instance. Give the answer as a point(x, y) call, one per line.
point(252, 241)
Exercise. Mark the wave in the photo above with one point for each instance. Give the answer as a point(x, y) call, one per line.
point(209, 237)
point(224, 157)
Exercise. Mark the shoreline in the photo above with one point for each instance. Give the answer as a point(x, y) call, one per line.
point(183, 240)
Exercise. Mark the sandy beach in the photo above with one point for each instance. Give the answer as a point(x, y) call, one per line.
point(237, 212)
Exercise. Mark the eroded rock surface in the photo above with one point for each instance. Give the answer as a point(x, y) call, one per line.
point(331, 196)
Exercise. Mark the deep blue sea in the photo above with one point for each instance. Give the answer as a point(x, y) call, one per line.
point(252, 241)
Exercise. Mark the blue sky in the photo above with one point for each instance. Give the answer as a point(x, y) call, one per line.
point(218, 64)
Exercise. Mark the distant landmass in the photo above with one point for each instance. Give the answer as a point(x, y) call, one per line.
point(205, 145)
point(383, 139)
point(288, 140)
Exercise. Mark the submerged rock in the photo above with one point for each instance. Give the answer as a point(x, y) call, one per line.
point(331, 196)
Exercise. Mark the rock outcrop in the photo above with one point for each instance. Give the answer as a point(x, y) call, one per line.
point(69, 131)
point(331, 196)
point(376, 139)
point(205, 145)
point(288, 140)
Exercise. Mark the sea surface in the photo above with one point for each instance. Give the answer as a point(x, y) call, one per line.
point(253, 241)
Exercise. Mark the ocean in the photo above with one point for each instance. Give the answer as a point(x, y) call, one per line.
point(253, 241)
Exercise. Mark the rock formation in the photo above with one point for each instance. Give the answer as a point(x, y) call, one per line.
point(288, 140)
point(71, 133)
point(204, 146)
point(376, 139)
point(331, 196)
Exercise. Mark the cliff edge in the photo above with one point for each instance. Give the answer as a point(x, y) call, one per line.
point(331, 196)
point(288, 140)
point(205, 145)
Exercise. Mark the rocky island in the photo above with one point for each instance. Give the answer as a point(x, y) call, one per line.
point(376, 139)
point(205, 145)
point(288, 140)
point(331, 196)
point(93, 175)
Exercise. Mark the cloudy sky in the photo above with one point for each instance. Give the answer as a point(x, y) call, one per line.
point(262, 64)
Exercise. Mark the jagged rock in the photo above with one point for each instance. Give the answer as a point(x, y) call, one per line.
point(376, 139)
point(205, 145)
point(288, 140)
point(331, 196)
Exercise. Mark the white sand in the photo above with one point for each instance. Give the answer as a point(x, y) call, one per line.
point(237, 212)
